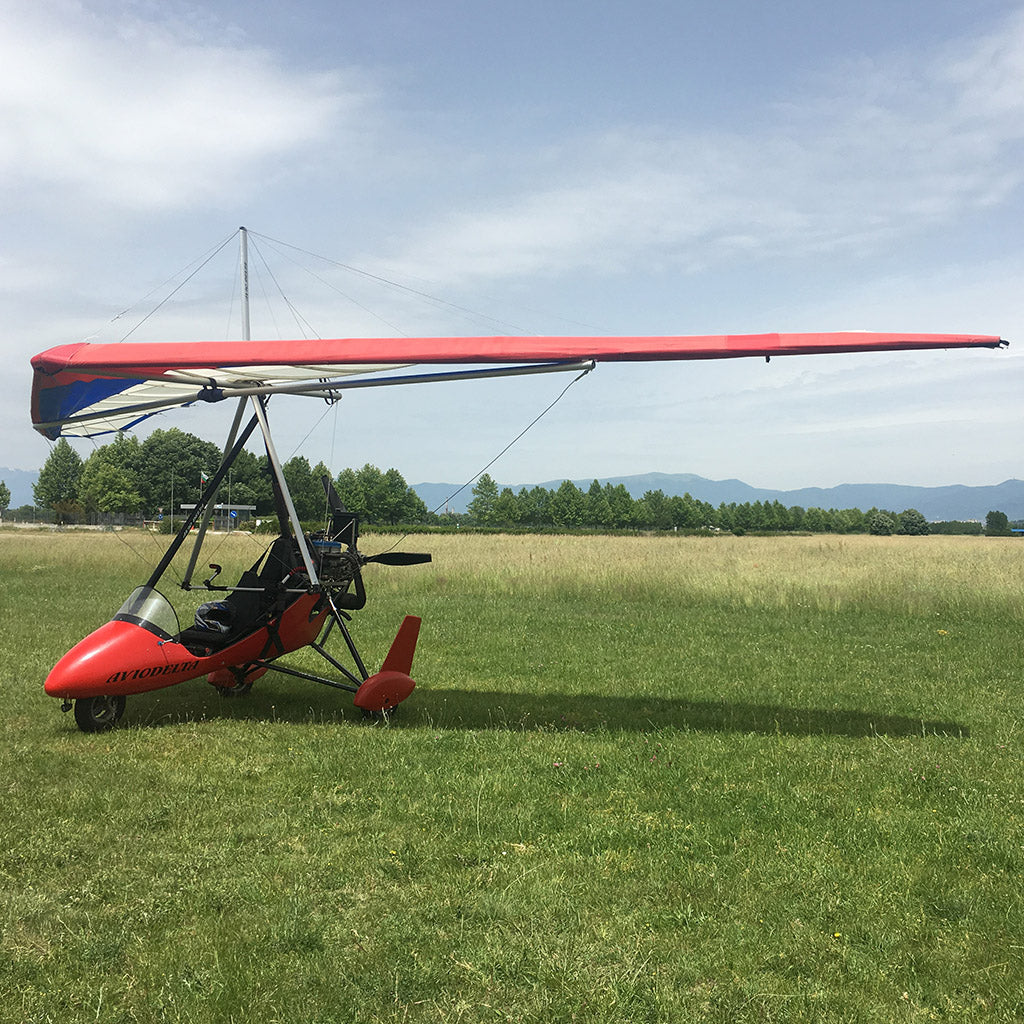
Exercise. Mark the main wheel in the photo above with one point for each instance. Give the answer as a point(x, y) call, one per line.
point(97, 714)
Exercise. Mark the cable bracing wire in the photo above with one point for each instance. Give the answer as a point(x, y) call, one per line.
point(198, 265)
point(480, 472)
point(504, 328)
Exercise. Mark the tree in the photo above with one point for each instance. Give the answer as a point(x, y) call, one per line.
point(350, 490)
point(399, 503)
point(954, 527)
point(911, 523)
point(526, 507)
point(380, 497)
point(997, 524)
point(109, 481)
point(655, 511)
point(567, 506)
point(485, 494)
point(248, 483)
point(880, 524)
point(597, 512)
point(57, 486)
point(687, 514)
point(5, 498)
point(620, 505)
point(109, 488)
point(306, 490)
point(743, 517)
point(850, 520)
point(776, 516)
point(371, 486)
point(171, 464)
point(506, 508)
point(538, 500)
point(814, 520)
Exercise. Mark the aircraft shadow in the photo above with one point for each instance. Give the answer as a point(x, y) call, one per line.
point(485, 710)
point(586, 712)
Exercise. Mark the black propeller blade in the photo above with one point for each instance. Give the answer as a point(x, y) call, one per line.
point(398, 558)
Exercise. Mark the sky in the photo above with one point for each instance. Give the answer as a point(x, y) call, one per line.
point(538, 167)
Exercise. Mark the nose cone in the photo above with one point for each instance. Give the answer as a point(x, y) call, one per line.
point(118, 658)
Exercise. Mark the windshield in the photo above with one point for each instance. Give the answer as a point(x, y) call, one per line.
point(149, 608)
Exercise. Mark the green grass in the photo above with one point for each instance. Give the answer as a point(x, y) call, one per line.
point(673, 779)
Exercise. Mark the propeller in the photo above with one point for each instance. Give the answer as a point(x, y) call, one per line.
point(398, 558)
point(349, 538)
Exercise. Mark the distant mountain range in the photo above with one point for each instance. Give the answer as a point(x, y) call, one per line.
point(19, 482)
point(954, 501)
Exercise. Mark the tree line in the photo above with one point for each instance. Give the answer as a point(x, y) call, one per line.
point(155, 477)
point(150, 478)
point(610, 506)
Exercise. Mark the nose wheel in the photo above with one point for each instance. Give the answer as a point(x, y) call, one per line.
point(97, 714)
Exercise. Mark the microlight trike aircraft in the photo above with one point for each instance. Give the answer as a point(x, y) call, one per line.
point(303, 587)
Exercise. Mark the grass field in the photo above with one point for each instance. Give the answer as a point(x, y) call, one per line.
point(641, 780)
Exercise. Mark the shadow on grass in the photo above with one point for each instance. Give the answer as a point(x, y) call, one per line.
point(492, 710)
point(483, 710)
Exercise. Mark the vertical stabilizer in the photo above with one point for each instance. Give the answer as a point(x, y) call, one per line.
point(403, 647)
point(392, 684)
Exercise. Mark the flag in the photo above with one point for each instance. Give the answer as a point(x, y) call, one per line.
point(203, 478)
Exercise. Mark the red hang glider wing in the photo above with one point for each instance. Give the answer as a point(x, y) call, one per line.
point(89, 389)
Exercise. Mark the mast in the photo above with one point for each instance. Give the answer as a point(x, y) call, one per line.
point(286, 507)
point(229, 454)
point(259, 405)
point(243, 255)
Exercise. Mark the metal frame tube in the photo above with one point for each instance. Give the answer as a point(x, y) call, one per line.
point(208, 514)
point(259, 405)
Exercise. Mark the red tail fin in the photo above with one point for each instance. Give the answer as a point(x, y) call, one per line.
point(392, 684)
point(403, 647)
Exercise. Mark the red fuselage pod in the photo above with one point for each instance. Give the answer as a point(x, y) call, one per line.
point(132, 654)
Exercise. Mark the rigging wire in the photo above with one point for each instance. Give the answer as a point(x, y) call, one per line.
point(236, 288)
point(330, 405)
point(480, 472)
point(255, 277)
point(96, 446)
point(198, 265)
point(330, 284)
point(444, 303)
point(304, 326)
point(518, 436)
point(508, 328)
point(134, 550)
point(334, 437)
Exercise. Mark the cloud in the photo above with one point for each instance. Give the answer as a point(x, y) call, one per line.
point(125, 110)
point(882, 149)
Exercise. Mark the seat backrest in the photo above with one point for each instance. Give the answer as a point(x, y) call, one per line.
point(281, 558)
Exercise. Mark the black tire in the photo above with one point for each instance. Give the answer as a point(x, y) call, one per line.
point(97, 714)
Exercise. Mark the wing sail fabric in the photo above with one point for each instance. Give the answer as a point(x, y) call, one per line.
point(88, 389)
